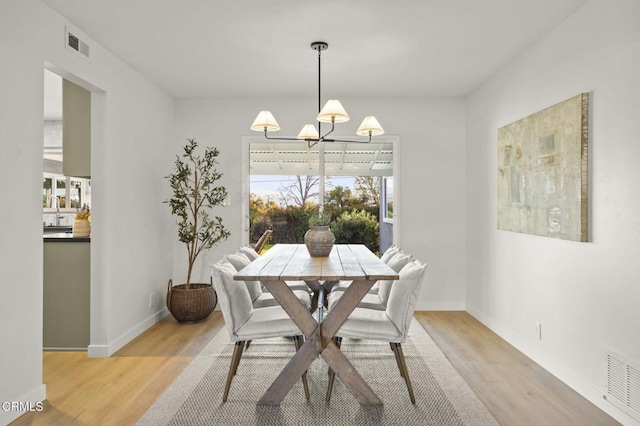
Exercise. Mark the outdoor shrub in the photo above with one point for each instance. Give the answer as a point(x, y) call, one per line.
point(357, 227)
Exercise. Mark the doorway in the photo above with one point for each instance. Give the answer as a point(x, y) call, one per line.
point(284, 175)
point(66, 191)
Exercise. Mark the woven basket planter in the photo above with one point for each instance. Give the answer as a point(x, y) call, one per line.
point(193, 304)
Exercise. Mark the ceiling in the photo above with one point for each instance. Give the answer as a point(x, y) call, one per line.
point(257, 48)
point(377, 49)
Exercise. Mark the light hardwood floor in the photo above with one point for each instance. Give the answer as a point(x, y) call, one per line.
point(516, 390)
point(119, 390)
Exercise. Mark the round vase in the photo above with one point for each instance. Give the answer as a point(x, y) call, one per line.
point(319, 241)
point(81, 228)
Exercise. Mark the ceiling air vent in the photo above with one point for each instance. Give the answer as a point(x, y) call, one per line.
point(73, 43)
point(623, 385)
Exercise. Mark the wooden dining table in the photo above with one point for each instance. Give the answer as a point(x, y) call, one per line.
point(292, 262)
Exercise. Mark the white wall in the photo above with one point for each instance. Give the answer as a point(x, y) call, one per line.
point(131, 249)
point(431, 174)
point(586, 295)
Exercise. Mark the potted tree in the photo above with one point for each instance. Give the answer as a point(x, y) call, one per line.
point(195, 194)
point(319, 239)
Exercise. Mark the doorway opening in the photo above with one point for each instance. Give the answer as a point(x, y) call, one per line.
point(66, 190)
point(282, 186)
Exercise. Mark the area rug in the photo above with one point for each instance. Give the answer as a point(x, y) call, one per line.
point(442, 397)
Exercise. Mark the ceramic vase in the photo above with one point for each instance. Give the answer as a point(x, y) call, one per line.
point(319, 241)
point(81, 228)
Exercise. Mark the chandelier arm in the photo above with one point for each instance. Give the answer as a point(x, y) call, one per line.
point(292, 139)
point(346, 141)
point(324, 138)
point(308, 140)
point(329, 132)
point(280, 139)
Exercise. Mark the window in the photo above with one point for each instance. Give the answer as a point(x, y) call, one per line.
point(64, 192)
point(387, 199)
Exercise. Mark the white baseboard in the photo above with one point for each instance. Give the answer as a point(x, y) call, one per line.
point(105, 351)
point(32, 398)
point(589, 391)
point(49, 349)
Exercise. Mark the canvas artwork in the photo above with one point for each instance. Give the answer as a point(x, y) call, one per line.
point(542, 172)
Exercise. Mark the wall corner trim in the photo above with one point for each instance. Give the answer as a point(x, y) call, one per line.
point(37, 394)
point(105, 351)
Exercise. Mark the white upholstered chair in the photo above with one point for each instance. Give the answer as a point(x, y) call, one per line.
point(389, 325)
point(244, 322)
point(377, 299)
point(259, 296)
point(249, 252)
point(342, 285)
point(385, 257)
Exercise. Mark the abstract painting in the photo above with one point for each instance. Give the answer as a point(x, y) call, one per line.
point(542, 172)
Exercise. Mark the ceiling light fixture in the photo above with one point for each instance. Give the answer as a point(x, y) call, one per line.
point(332, 112)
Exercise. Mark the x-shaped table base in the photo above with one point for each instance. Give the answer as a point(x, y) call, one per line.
point(319, 335)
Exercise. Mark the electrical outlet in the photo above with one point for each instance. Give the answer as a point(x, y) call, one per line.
point(152, 300)
point(539, 330)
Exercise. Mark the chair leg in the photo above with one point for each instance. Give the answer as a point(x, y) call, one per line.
point(246, 345)
point(242, 349)
point(298, 341)
point(395, 353)
point(332, 374)
point(404, 371)
point(235, 360)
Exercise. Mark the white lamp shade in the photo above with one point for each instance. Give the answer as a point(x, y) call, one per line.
point(309, 131)
point(370, 126)
point(265, 120)
point(333, 112)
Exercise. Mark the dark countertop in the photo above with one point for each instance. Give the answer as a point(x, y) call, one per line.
point(50, 229)
point(64, 237)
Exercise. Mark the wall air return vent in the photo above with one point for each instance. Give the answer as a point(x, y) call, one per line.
point(623, 385)
point(73, 43)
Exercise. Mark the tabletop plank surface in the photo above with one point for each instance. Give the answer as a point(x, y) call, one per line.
point(293, 262)
point(349, 262)
point(301, 266)
point(374, 268)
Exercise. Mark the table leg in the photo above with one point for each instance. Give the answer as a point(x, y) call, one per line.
point(319, 343)
point(290, 374)
point(292, 306)
point(331, 353)
point(317, 288)
point(344, 306)
point(349, 375)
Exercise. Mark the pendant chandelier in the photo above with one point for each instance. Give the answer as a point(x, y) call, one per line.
point(333, 112)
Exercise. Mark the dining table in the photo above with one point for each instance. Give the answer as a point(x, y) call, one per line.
point(351, 263)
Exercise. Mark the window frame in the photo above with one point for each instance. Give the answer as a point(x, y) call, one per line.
point(85, 197)
point(387, 184)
